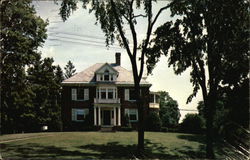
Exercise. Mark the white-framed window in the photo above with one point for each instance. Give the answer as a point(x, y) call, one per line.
point(106, 76)
point(106, 93)
point(110, 94)
point(79, 115)
point(79, 94)
point(130, 95)
point(132, 114)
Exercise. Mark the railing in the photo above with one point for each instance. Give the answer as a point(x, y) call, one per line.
point(154, 105)
point(96, 100)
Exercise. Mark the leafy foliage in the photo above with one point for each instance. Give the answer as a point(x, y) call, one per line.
point(211, 38)
point(22, 32)
point(153, 122)
point(169, 111)
point(30, 87)
point(193, 123)
point(69, 70)
point(46, 85)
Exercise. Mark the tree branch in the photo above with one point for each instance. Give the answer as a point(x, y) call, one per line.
point(139, 15)
point(132, 27)
point(162, 9)
point(118, 23)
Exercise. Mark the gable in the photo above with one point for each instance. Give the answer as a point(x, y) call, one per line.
point(106, 67)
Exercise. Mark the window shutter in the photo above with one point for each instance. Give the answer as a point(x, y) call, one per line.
point(86, 94)
point(86, 112)
point(74, 94)
point(126, 111)
point(126, 94)
point(73, 115)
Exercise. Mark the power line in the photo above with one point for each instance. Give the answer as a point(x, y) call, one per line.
point(74, 42)
point(79, 39)
point(79, 35)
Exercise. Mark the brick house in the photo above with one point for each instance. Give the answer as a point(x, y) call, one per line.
point(102, 95)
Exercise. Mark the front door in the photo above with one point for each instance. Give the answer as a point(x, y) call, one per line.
point(106, 117)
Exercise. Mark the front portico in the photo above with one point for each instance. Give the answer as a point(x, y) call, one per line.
point(107, 115)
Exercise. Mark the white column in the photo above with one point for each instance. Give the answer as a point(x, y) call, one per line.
point(99, 116)
point(119, 116)
point(114, 116)
point(95, 116)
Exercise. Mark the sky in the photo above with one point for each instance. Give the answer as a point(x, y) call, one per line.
point(82, 41)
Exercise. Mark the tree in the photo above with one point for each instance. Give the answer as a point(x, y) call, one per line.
point(211, 38)
point(113, 17)
point(220, 114)
point(22, 32)
point(231, 122)
point(69, 70)
point(153, 122)
point(46, 85)
point(169, 111)
point(193, 123)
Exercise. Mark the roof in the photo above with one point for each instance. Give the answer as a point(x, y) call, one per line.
point(87, 76)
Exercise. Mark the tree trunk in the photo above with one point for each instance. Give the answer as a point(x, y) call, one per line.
point(210, 110)
point(140, 147)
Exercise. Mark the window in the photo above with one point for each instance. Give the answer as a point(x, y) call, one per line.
point(130, 95)
point(103, 93)
point(79, 114)
point(79, 94)
point(151, 98)
point(106, 93)
point(110, 93)
point(132, 114)
point(106, 75)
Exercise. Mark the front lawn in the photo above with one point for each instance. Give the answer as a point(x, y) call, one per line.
point(103, 145)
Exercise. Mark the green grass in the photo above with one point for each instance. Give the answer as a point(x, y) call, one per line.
point(103, 145)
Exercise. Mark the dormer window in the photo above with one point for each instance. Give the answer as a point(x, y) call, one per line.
point(106, 75)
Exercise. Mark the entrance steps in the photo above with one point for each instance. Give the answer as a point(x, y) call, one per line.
point(107, 129)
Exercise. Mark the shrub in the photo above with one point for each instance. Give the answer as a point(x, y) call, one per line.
point(193, 123)
point(153, 122)
point(164, 129)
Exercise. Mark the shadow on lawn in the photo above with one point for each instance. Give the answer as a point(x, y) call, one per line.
point(192, 137)
point(111, 150)
point(33, 150)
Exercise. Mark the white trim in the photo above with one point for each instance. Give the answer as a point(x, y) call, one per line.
point(114, 116)
point(109, 66)
point(119, 116)
point(95, 116)
point(119, 84)
point(114, 89)
point(128, 112)
point(99, 115)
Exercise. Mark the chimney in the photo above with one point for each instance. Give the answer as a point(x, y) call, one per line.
point(118, 58)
